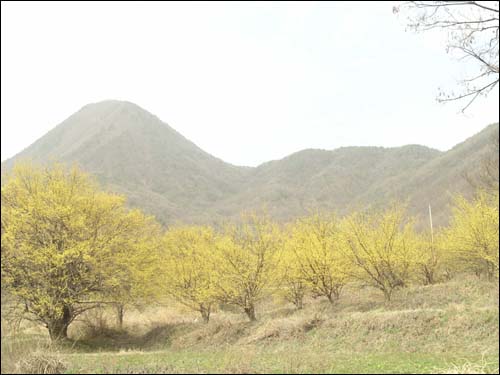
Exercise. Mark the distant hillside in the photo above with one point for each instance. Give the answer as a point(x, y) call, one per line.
point(133, 152)
point(329, 180)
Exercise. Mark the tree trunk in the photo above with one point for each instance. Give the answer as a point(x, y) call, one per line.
point(298, 302)
point(119, 314)
point(330, 298)
point(387, 294)
point(205, 313)
point(250, 311)
point(58, 328)
point(490, 272)
point(429, 277)
point(336, 293)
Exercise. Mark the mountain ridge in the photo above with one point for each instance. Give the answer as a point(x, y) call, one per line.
point(134, 152)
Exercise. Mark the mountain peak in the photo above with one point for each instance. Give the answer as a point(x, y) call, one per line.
point(111, 103)
point(107, 109)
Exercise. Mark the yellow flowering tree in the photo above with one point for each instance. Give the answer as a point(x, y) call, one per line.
point(138, 282)
point(472, 237)
point(429, 258)
point(317, 256)
point(187, 268)
point(66, 245)
point(246, 262)
point(382, 248)
point(292, 285)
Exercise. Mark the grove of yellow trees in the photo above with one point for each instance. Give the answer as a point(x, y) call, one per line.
point(68, 247)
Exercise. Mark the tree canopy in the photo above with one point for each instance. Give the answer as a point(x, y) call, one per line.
point(67, 246)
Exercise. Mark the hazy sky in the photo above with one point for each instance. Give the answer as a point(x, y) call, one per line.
point(247, 83)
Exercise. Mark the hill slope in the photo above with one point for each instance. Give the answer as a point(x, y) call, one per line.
point(447, 328)
point(134, 152)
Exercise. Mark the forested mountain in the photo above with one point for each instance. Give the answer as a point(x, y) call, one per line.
point(133, 152)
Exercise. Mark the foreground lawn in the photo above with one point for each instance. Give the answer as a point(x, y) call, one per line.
point(277, 360)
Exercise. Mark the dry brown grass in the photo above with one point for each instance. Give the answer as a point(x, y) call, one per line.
point(483, 367)
point(457, 318)
point(454, 311)
point(39, 362)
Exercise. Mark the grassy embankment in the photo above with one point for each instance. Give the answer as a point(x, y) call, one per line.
point(451, 327)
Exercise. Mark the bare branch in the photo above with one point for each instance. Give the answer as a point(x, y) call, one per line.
point(473, 31)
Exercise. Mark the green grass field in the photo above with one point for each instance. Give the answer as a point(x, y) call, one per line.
point(445, 328)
